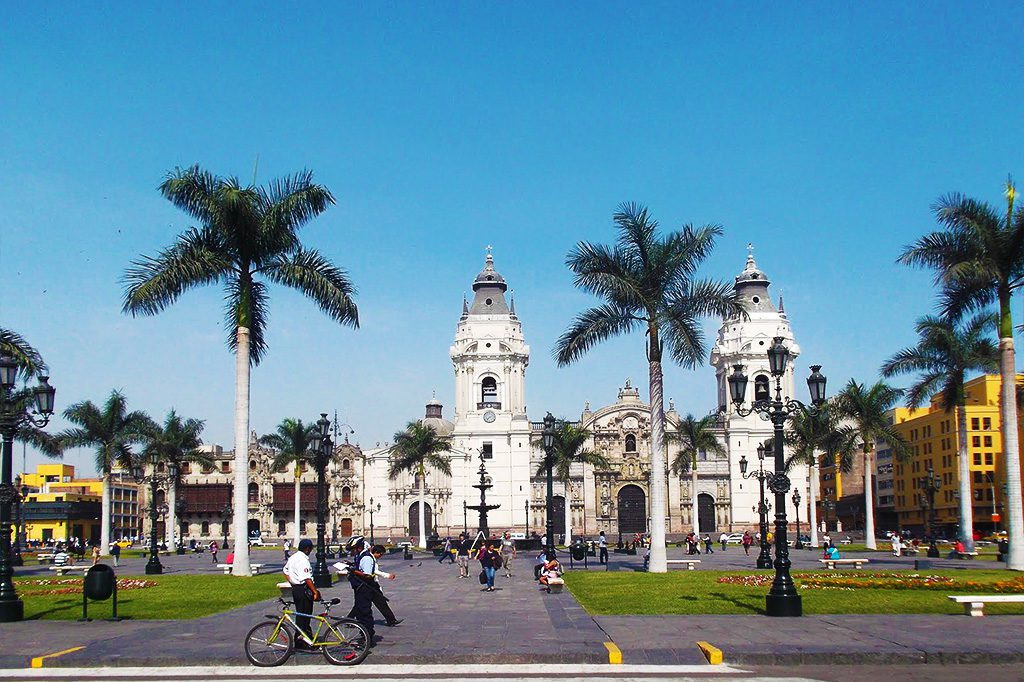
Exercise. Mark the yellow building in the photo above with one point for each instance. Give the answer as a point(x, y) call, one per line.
point(933, 438)
point(59, 506)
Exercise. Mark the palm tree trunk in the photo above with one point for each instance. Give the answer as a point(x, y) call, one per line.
point(657, 556)
point(241, 503)
point(966, 501)
point(105, 514)
point(298, 496)
point(812, 510)
point(1008, 417)
point(422, 540)
point(693, 492)
point(869, 502)
point(172, 519)
point(568, 513)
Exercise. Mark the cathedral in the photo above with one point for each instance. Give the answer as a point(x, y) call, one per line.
point(490, 427)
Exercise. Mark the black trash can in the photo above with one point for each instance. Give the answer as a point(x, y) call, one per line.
point(99, 582)
point(579, 552)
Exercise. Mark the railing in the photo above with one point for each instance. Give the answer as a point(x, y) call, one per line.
point(488, 405)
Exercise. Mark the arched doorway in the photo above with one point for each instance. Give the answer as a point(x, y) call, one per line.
point(558, 514)
point(254, 529)
point(632, 503)
point(706, 513)
point(414, 519)
point(346, 528)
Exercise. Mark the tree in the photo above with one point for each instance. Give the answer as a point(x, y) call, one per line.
point(244, 233)
point(943, 356)
point(416, 448)
point(294, 443)
point(111, 431)
point(647, 282)
point(979, 260)
point(811, 432)
point(174, 444)
point(868, 408)
point(29, 361)
point(569, 448)
point(694, 436)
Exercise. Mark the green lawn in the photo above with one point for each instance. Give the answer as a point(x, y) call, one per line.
point(173, 596)
point(698, 592)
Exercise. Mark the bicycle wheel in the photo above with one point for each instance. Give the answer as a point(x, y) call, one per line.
point(346, 642)
point(269, 644)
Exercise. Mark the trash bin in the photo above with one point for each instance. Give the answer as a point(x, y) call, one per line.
point(579, 552)
point(407, 554)
point(99, 582)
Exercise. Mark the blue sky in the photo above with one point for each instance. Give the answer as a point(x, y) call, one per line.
point(822, 134)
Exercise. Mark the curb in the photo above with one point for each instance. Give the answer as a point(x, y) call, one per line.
point(382, 658)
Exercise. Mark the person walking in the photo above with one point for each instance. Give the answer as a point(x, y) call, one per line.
point(723, 539)
point(95, 554)
point(213, 550)
point(463, 555)
point(304, 592)
point(363, 580)
point(707, 545)
point(602, 544)
point(747, 542)
point(115, 551)
point(489, 558)
point(508, 553)
point(287, 547)
point(377, 593)
point(446, 552)
point(897, 545)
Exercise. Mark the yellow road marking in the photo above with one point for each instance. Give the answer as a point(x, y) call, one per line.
point(37, 662)
point(712, 653)
point(614, 654)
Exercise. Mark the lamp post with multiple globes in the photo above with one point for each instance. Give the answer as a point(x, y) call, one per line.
point(764, 557)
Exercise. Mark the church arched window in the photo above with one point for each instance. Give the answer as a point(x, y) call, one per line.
point(630, 443)
point(761, 391)
point(346, 495)
point(345, 465)
point(489, 390)
point(254, 493)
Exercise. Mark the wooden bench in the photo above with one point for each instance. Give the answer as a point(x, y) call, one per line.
point(832, 563)
point(255, 568)
point(689, 562)
point(61, 570)
point(974, 604)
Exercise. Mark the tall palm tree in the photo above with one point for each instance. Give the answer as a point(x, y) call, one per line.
point(174, 444)
point(648, 282)
point(694, 435)
point(814, 432)
point(943, 356)
point(244, 234)
point(868, 409)
point(569, 448)
point(293, 443)
point(28, 359)
point(30, 363)
point(111, 430)
point(979, 260)
point(414, 449)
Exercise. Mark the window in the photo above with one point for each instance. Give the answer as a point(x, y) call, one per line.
point(987, 440)
point(280, 528)
point(630, 443)
point(488, 451)
point(977, 459)
point(977, 477)
point(986, 423)
point(302, 526)
point(345, 465)
point(346, 494)
point(974, 423)
point(185, 468)
point(988, 494)
point(302, 466)
point(254, 493)
point(252, 465)
point(204, 529)
point(976, 441)
point(988, 458)
point(489, 390)
point(225, 467)
point(977, 494)
point(761, 390)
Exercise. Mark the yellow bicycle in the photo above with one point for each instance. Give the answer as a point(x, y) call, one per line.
point(342, 641)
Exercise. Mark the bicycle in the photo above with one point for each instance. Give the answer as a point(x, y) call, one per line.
point(342, 641)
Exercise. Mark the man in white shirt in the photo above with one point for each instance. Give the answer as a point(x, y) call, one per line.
point(724, 540)
point(602, 545)
point(304, 592)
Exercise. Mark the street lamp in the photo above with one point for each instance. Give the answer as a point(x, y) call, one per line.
point(180, 506)
point(549, 450)
point(782, 599)
point(526, 505)
point(321, 574)
point(24, 407)
point(153, 566)
point(796, 505)
point(828, 505)
point(372, 509)
point(930, 484)
point(764, 557)
point(16, 559)
point(226, 513)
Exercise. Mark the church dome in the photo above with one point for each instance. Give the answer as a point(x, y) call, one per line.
point(752, 275)
point(489, 277)
point(434, 420)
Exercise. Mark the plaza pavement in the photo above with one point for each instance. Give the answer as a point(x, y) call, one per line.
point(448, 620)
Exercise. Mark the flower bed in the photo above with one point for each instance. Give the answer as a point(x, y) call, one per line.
point(74, 586)
point(880, 581)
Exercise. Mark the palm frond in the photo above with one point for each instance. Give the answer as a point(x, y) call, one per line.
point(590, 328)
point(315, 276)
point(28, 359)
point(194, 191)
point(247, 307)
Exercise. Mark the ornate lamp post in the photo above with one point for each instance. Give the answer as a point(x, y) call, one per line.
point(321, 574)
point(225, 514)
point(17, 408)
point(764, 557)
point(16, 559)
point(465, 518)
point(373, 509)
point(796, 505)
point(549, 449)
point(782, 599)
point(931, 484)
point(828, 505)
point(526, 505)
point(153, 566)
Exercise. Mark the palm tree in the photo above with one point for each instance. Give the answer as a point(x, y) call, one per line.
point(695, 436)
point(817, 431)
point(979, 260)
point(30, 363)
point(245, 233)
point(293, 443)
point(868, 408)
point(647, 282)
point(111, 430)
point(28, 359)
point(416, 448)
point(943, 357)
point(175, 444)
point(569, 447)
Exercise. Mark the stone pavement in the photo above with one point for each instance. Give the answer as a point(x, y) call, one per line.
point(451, 620)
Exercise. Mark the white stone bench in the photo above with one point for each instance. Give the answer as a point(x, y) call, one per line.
point(255, 568)
point(689, 562)
point(61, 570)
point(966, 555)
point(832, 563)
point(555, 585)
point(974, 604)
